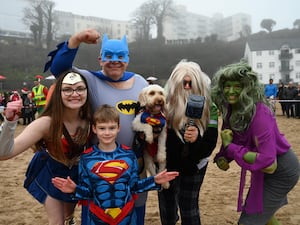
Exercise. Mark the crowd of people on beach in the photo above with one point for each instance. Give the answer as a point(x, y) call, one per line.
point(288, 95)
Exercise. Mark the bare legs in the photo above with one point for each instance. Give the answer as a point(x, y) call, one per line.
point(57, 211)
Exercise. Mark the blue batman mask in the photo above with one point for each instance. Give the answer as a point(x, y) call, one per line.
point(114, 50)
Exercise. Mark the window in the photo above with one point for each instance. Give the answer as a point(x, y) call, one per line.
point(258, 53)
point(287, 76)
point(298, 75)
point(271, 52)
point(297, 50)
point(258, 65)
point(297, 63)
point(271, 64)
point(271, 76)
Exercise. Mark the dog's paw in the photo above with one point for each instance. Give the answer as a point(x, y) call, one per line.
point(166, 185)
point(151, 168)
point(161, 157)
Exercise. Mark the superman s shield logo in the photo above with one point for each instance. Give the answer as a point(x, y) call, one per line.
point(110, 170)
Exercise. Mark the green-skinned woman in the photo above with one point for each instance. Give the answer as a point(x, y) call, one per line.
point(250, 136)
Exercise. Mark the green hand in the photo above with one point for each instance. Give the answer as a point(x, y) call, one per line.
point(270, 169)
point(222, 163)
point(226, 136)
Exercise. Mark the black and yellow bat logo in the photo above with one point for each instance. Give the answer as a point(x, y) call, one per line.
point(127, 107)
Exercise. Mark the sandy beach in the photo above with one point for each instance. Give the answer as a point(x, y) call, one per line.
point(218, 196)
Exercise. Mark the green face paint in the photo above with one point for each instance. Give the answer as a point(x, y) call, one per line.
point(232, 91)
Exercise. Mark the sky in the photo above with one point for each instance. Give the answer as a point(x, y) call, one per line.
point(284, 12)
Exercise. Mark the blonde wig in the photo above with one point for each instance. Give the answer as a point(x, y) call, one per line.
point(177, 96)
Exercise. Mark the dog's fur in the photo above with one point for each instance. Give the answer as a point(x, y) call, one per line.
point(152, 101)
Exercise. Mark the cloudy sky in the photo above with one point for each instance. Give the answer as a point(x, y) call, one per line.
point(284, 12)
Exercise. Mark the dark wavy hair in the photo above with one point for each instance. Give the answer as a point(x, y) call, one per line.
point(252, 92)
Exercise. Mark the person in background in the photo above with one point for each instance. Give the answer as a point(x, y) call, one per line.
point(24, 92)
point(39, 95)
point(15, 96)
point(59, 137)
point(111, 85)
point(151, 80)
point(102, 158)
point(271, 93)
point(281, 95)
point(297, 104)
point(1, 99)
point(290, 95)
point(29, 109)
point(2, 107)
point(189, 145)
point(271, 89)
point(250, 136)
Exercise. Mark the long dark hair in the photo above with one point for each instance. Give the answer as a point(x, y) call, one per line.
point(55, 110)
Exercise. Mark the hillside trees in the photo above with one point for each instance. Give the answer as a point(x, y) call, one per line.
point(143, 20)
point(153, 13)
point(40, 20)
point(296, 24)
point(268, 24)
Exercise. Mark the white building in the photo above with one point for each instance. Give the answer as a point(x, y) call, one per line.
point(276, 58)
point(187, 26)
point(69, 23)
point(230, 28)
point(183, 28)
point(11, 19)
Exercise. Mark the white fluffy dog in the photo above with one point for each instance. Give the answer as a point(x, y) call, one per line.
point(152, 122)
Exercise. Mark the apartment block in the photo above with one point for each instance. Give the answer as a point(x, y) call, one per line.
point(183, 27)
point(276, 58)
point(69, 23)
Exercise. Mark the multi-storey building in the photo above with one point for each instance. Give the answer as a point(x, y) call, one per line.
point(11, 19)
point(232, 27)
point(184, 27)
point(276, 58)
point(66, 23)
point(69, 23)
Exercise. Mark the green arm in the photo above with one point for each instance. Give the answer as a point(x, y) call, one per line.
point(250, 157)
